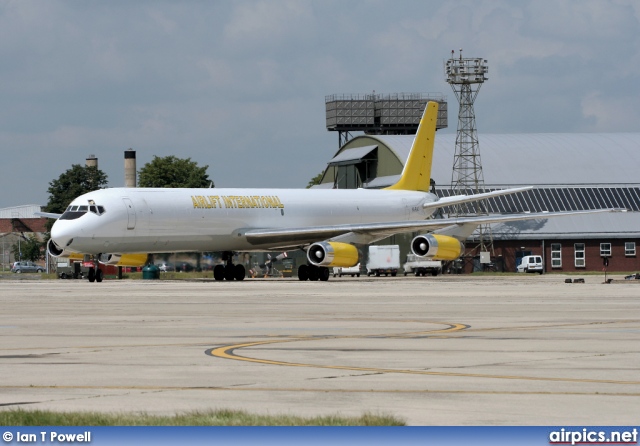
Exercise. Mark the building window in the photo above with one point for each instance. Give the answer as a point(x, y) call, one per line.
point(578, 250)
point(605, 249)
point(556, 255)
point(630, 249)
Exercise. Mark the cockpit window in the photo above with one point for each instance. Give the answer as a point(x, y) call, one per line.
point(74, 212)
point(98, 210)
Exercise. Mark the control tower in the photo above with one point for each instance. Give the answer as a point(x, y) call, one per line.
point(380, 114)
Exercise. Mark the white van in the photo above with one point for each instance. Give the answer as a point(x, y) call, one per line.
point(531, 264)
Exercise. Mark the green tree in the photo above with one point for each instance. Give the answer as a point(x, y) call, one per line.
point(74, 182)
point(315, 180)
point(30, 248)
point(71, 184)
point(170, 171)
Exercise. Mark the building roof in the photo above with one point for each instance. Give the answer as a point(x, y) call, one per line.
point(356, 154)
point(616, 225)
point(24, 211)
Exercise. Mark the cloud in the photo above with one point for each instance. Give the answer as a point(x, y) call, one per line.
point(262, 26)
point(610, 113)
point(240, 85)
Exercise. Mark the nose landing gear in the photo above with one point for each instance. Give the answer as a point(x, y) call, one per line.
point(95, 273)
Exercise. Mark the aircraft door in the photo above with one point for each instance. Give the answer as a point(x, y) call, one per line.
point(407, 209)
point(131, 213)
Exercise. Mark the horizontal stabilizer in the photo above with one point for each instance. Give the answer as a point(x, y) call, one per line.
point(47, 215)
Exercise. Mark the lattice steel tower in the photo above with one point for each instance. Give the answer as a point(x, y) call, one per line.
point(466, 76)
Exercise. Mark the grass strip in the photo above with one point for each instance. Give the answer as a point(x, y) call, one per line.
point(223, 417)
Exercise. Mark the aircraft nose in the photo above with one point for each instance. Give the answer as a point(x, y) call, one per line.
point(60, 234)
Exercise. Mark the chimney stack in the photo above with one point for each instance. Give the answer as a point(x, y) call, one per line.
point(130, 168)
point(92, 161)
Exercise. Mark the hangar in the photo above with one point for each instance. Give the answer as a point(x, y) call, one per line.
point(570, 172)
point(16, 223)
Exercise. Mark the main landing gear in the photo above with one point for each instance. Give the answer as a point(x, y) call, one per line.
point(229, 271)
point(312, 272)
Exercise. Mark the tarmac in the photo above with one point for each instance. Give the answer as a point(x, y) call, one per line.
point(447, 350)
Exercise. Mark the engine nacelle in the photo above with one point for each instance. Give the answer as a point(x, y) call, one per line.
point(333, 254)
point(55, 251)
point(437, 247)
point(123, 259)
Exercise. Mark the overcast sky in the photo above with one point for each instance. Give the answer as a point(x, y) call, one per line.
point(240, 85)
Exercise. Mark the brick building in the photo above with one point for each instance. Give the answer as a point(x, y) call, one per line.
point(16, 223)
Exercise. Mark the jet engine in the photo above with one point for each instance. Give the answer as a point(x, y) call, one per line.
point(56, 251)
point(437, 247)
point(123, 259)
point(333, 254)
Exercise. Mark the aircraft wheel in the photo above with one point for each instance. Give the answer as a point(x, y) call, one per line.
point(229, 272)
point(92, 275)
point(314, 273)
point(99, 275)
point(303, 272)
point(238, 271)
point(218, 272)
point(323, 273)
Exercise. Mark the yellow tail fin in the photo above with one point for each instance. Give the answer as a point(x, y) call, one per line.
point(416, 174)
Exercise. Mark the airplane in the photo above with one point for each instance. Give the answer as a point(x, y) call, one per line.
point(120, 223)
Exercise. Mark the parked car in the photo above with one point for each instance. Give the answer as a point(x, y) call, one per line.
point(531, 264)
point(185, 267)
point(165, 266)
point(26, 267)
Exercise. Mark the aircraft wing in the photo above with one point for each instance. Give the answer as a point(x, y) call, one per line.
point(296, 237)
point(47, 215)
point(458, 199)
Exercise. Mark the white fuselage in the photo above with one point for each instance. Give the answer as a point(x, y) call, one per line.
point(171, 220)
